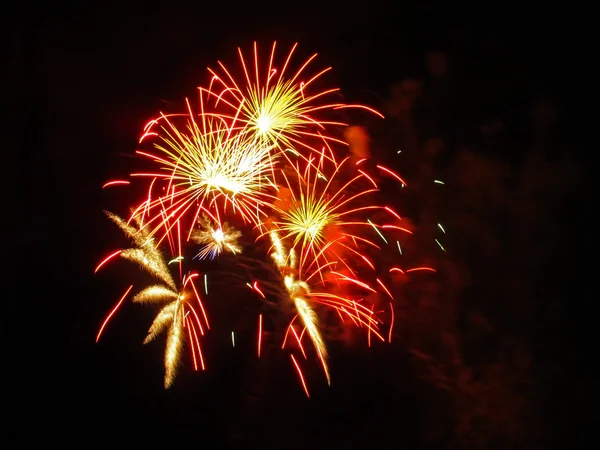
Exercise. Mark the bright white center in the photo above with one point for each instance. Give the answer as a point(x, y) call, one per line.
point(263, 123)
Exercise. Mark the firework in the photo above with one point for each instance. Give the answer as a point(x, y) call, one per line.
point(174, 317)
point(146, 253)
point(299, 291)
point(260, 152)
point(326, 215)
point(215, 238)
point(178, 312)
point(276, 104)
point(206, 167)
point(305, 299)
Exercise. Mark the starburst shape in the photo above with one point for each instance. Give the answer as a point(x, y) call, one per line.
point(216, 238)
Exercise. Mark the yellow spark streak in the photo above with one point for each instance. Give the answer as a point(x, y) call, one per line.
point(174, 343)
point(155, 294)
point(299, 293)
point(309, 318)
point(147, 254)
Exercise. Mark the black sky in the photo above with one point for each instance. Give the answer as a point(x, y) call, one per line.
point(82, 82)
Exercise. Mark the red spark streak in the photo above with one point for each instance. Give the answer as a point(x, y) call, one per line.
point(391, 323)
point(300, 375)
point(386, 289)
point(189, 328)
point(255, 286)
point(421, 268)
point(108, 258)
point(259, 333)
point(395, 175)
point(112, 312)
point(113, 183)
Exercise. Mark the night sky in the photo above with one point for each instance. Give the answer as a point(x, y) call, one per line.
point(82, 82)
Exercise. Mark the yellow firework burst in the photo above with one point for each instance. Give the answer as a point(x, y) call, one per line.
point(208, 167)
point(276, 104)
point(323, 214)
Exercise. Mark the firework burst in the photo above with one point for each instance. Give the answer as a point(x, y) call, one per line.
point(326, 214)
point(260, 153)
point(206, 167)
point(275, 108)
point(215, 238)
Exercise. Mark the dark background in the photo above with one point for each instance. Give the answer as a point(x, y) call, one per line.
point(83, 79)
